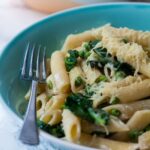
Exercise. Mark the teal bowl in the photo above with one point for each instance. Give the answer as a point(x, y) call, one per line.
point(51, 32)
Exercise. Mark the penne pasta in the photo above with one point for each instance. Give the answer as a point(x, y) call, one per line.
point(103, 143)
point(41, 101)
point(71, 125)
point(77, 79)
point(51, 86)
point(125, 82)
point(132, 92)
point(128, 109)
point(115, 125)
point(60, 75)
point(127, 90)
point(135, 123)
point(52, 117)
point(56, 102)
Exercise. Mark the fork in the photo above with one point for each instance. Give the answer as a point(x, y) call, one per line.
point(37, 74)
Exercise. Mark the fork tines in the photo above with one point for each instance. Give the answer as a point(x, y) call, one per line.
point(34, 63)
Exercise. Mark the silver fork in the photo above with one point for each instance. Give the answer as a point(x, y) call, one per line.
point(29, 133)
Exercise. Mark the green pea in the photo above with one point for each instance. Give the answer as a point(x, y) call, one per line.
point(114, 100)
point(79, 81)
point(115, 112)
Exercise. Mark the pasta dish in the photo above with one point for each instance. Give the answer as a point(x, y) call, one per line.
point(97, 90)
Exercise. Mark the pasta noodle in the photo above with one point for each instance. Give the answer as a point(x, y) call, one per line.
point(56, 102)
point(76, 74)
point(51, 86)
point(127, 110)
point(115, 125)
point(135, 124)
point(41, 101)
point(135, 121)
point(127, 90)
point(52, 117)
point(75, 40)
point(71, 125)
point(102, 143)
point(59, 73)
point(135, 91)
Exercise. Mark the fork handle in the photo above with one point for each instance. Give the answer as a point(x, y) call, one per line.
point(29, 133)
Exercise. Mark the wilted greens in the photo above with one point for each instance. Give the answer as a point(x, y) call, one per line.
point(81, 106)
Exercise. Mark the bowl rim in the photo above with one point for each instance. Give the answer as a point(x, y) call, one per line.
point(39, 23)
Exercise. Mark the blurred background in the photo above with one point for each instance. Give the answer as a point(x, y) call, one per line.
point(18, 14)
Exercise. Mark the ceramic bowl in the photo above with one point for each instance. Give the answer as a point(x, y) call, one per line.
point(51, 32)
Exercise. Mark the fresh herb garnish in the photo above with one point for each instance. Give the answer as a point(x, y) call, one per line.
point(79, 105)
point(104, 58)
point(87, 47)
point(73, 53)
point(90, 45)
point(100, 116)
point(84, 54)
point(93, 43)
